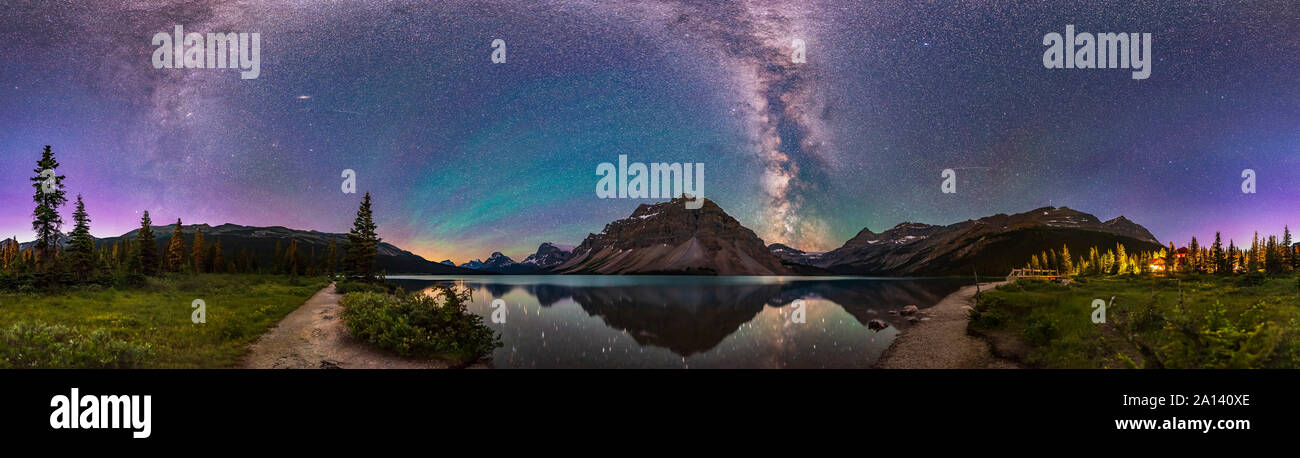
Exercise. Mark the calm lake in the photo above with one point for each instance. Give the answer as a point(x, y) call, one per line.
point(574, 321)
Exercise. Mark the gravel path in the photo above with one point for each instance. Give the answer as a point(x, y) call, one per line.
point(941, 342)
point(313, 337)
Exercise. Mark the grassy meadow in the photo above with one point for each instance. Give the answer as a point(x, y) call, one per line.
point(149, 326)
point(1192, 321)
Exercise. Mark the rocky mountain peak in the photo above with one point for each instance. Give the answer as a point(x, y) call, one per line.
point(1124, 226)
point(668, 237)
point(549, 255)
point(497, 261)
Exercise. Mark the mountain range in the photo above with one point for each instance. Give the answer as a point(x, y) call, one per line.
point(548, 255)
point(667, 238)
point(991, 245)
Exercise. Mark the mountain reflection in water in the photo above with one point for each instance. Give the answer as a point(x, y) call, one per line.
point(664, 321)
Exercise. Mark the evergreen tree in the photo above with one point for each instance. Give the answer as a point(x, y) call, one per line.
point(176, 249)
point(277, 260)
point(332, 256)
point(1121, 260)
point(1218, 261)
point(291, 258)
point(1171, 259)
point(311, 262)
point(1193, 256)
point(218, 261)
point(1232, 257)
point(49, 196)
point(10, 254)
point(1252, 262)
point(199, 252)
point(1272, 262)
point(1288, 257)
point(363, 243)
point(81, 250)
point(120, 248)
point(1067, 265)
point(147, 247)
point(113, 253)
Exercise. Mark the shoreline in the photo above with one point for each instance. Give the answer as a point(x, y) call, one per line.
point(941, 342)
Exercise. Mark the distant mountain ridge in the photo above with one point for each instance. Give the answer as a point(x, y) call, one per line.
point(260, 243)
point(548, 255)
point(794, 255)
point(989, 245)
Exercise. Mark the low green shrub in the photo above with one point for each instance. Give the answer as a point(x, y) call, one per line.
point(1039, 330)
point(987, 313)
point(40, 345)
point(1216, 341)
point(1250, 279)
point(1189, 321)
point(418, 325)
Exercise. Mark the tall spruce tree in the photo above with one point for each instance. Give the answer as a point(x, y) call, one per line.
point(1232, 257)
point(147, 247)
point(218, 260)
point(1288, 254)
point(1272, 258)
point(277, 259)
point(1067, 265)
point(49, 196)
point(10, 252)
point(1217, 258)
point(1194, 256)
point(332, 256)
point(292, 259)
point(1121, 260)
point(176, 249)
point(1252, 263)
point(81, 250)
point(363, 243)
point(198, 253)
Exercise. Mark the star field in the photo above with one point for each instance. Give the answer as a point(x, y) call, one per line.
point(465, 157)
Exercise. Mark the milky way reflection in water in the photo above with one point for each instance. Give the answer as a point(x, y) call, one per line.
point(572, 321)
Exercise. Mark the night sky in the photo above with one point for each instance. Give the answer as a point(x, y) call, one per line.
point(465, 157)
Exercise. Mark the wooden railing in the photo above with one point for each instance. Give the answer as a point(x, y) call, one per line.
point(1034, 273)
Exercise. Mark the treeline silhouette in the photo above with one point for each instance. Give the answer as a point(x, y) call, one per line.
point(55, 259)
point(1272, 256)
